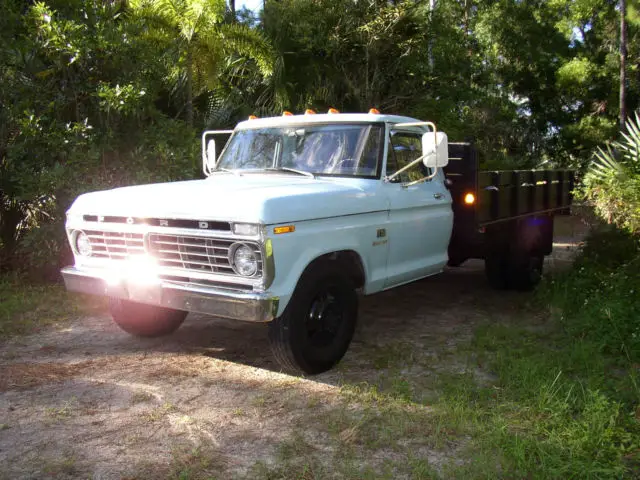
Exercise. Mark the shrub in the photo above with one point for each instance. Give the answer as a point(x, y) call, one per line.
point(612, 183)
point(599, 298)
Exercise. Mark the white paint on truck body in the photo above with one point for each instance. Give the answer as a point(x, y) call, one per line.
point(400, 233)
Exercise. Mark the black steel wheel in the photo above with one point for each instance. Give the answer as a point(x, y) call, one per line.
point(496, 269)
point(525, 271)
point(316, 328)
point(145, 320)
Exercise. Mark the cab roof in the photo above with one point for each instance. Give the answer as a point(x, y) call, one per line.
point(323, 118)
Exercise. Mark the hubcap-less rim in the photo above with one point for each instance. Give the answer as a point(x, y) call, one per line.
point(324, 319)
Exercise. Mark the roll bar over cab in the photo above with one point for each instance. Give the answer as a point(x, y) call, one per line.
point(297, 216)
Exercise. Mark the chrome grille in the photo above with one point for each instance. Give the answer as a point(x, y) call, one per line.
point(115, 245)
point(202, 254)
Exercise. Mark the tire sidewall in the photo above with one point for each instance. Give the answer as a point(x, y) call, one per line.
point(145, 320)
point(312, 359)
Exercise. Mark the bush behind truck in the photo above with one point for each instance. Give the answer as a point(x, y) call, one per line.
point(299, 215)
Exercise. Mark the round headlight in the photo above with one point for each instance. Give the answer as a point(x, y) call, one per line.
point(244, 260)
point(83, 245)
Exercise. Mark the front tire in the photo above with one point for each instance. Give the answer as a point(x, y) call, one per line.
point(145, 320)
point(316, 328)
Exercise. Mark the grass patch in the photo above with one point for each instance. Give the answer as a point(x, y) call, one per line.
point(599, 299)
point(552, 392)
point(26, 308)
point(197, 463)
point(159, 412)
point(554, 412)
point(141, 397)
point(60, 467)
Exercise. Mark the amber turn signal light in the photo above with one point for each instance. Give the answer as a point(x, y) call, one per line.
point(287, 114)
point(333, 110)
point(374, 111)
point(308, 111)
point(284, 229)
point(469, 199)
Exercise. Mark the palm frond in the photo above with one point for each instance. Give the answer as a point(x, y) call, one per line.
point(620, 156)
point(242, 40)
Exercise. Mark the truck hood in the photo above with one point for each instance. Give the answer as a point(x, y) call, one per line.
point(253, 198)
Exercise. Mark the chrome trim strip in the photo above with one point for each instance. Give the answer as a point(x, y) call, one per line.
point(142, 229)
point(236, 305)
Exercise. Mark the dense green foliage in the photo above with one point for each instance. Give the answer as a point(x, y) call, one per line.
point(598, 299)
point(96, 94)
point(612, 183)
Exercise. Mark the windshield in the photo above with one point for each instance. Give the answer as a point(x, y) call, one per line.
point(338, 149)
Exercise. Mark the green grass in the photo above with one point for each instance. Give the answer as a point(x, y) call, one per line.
point(559, 395)
point(26, 308)
point(556, 410)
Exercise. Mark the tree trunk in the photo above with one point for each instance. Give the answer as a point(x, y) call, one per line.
point(232, 6)
point(189, 88)
point(623, 63)
point(10, 218)
point(432, 7)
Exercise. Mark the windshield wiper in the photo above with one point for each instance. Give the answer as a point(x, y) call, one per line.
point(292, 170)
point(222, 169)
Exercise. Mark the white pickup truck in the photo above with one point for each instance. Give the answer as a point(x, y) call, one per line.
point(299, 215)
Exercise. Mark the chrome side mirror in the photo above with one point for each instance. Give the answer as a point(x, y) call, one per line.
point(435, 149)
point(211, 154)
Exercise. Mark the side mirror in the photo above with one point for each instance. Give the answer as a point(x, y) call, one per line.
point(209, 149)
point(211, 154)
point(435, 149)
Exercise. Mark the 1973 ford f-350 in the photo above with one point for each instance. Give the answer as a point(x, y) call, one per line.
point(300, 214)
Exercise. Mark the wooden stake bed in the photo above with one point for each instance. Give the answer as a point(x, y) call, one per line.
point(504, 202)
point(503, 195)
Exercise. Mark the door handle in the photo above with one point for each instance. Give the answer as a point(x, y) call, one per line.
point(438, 196)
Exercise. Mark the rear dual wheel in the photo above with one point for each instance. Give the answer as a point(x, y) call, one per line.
point(517, 271)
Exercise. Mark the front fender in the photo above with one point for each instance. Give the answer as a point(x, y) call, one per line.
point(294, 251)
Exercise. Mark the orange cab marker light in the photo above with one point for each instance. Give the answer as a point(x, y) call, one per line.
point(287, 114)
point(374, 111)
point(333, 110)
point(469, 199)
point(252, 117)
point(285, 229)
point(308, 111)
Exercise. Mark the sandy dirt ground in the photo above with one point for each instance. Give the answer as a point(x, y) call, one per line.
point(89, 401)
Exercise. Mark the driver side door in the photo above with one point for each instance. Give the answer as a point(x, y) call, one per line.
point(420, 216)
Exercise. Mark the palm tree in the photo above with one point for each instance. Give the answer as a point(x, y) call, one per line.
point(203, 42)
point(612, 182)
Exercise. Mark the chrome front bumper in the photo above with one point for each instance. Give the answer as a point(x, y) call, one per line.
point(252, 307)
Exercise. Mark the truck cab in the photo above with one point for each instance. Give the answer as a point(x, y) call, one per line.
point(298, 215)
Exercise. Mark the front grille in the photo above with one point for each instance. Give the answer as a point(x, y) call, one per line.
point(115, 245)
point(185, 252)
point(208, 255)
